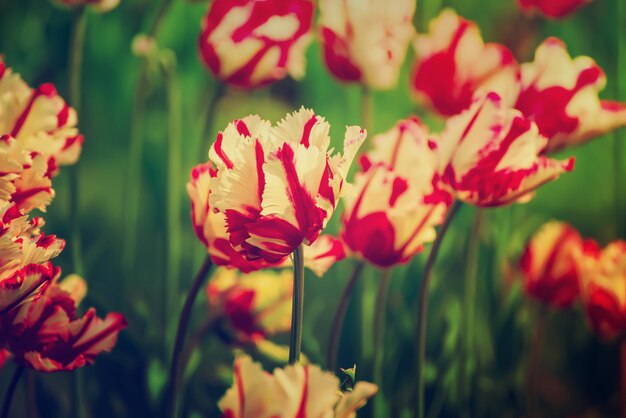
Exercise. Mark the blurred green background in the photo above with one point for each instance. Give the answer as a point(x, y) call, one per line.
point(579, 374)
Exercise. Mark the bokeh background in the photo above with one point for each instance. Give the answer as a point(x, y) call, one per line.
point(579, 374)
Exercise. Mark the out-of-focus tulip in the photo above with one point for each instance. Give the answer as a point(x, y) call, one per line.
point(278, 186)
point(46, 334)
point(552, 8)
point(491, 155)
point(560, 95)
point(294, 391)
point(100, 6)
point(248, 43)
point(603, 290)
point(454, 64)
point(366, 41)
point(549, 264)
point(253, 306)
point(39, 119)
point(210, 227)
point(398, 201)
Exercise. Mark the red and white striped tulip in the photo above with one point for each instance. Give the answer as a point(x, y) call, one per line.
point(252, 306)
point(603, 290)
point(278, 186)
point(39, 119)
point(552, 8)
point(366, 41)
point(210, 228)
point(491, 155)
point(294, 391)
point(398, 201)
point(46, 333)
point(249, 43)
point(454, 64)
point(560, 95)
point(550, 267)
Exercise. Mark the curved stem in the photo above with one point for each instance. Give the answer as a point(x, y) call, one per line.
point(422, 309)
point(335, 333)
point(380, 318)
point(297, 305)
point(534, 360)
point(181, 331)
point(77, 46)
point(8, 396)
point(207, 132)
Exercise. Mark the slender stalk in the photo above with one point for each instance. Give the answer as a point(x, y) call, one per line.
point(207, 131)
point(422, 309)
point(367, 104)
point(469, 303)
point(135, 152)
point(173, 196)
point(380, 317)
point(183, 323)
point(8, 395)
point(335, 333)
point(295, 339)
point(623, 378)
point(77, 46)
point(534, 360)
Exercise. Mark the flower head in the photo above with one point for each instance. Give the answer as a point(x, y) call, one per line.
point(278, 186)
point(252, 306)
point(603, 290)
point(454, 64)
point(491, 155)
point(296, 390)
point(398, 200)
point(39, 119)
point(550, 264)
point(248, 43)
point(560, 95)
point(366, 41)
point(552, 8)
point(45, 333)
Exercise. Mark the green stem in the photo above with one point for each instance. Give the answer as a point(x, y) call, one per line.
point(469, 304)
point(8, 395)
point(295, 340)
point(207, 132)
point(173, 197)
point(422, 309)
point(335, 331)
point(171, 394)
point(534, 361)
point(135, 152)
point(379, 331)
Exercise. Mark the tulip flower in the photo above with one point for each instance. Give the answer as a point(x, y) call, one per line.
point(253, 306)
point(560, 95)
point(491, 155)
point(46, 333)
point(249, 43)
point(100, 6)
point(552, 8)
point(454, 64)
point(398, 201)
point(603, 290)
point(294, 391)
point(39, 119)
point(366, 41)
point(278, 186)
point(549, 264)
point(210, 228)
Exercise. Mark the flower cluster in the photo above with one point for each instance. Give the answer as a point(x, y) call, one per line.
point(558, 93)
point(39, 324)
point(295, 391)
